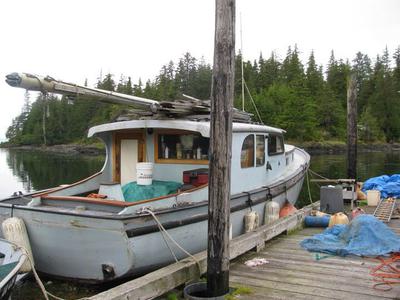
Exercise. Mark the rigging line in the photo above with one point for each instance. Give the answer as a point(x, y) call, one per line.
point(241, 52)
point(254, 104)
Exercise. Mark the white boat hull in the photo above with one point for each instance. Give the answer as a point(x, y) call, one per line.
point(99, 249)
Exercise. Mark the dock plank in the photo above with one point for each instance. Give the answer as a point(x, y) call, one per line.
point(336, 283)
point(270, 294)
point(303, 289)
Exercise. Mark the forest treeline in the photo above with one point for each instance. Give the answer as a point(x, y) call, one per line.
point(306, 100)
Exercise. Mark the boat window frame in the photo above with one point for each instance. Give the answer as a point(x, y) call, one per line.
point(262, 138)
point(158, 160)
point(242, 166)
point(278, 137)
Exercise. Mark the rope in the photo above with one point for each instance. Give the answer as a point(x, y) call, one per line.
point(162, 229)
point(45, 293)
point(386, 273)
point(252, 101)
point(319, 175)
point(308, 188)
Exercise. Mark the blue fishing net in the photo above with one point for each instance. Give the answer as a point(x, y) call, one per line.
point(389, 186)
point(365, 235)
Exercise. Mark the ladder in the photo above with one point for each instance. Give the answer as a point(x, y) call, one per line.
point(385, 209)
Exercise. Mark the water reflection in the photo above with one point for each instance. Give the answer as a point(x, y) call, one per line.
point(28, 171)
point(369, 164)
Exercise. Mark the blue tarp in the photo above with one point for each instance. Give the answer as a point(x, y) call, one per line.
point(389, 186)
point(365, 235)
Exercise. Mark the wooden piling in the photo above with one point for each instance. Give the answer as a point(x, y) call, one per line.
point(352, 127)
point(220, 149)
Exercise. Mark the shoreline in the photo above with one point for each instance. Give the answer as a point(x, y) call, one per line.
point(341, 148)
point(62, 149)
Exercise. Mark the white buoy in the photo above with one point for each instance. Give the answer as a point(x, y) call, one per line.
point(271, 212)
point(14, 231)
point(251, 221)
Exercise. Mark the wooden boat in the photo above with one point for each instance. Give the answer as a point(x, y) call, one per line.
point(11, 261)
point(105, 226)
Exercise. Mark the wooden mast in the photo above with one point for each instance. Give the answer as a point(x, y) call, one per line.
point(220, 149)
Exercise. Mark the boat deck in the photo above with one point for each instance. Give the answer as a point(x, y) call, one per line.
point(294, 273)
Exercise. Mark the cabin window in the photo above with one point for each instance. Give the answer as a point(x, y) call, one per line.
point(275, 145)
point(260, 150)
point(187, 148)
point(247, 154)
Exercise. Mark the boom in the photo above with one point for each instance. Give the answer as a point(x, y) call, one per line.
point(50, 85)
point(188, 107)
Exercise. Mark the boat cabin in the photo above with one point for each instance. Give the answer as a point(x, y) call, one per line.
point(177, 147)
point(178, 151)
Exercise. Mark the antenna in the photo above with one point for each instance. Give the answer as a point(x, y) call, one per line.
point(241, 51)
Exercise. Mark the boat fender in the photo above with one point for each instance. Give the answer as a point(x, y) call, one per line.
point(271, 212)
point(251, 221)
point(14, 231)
point(356, 212)
point(287, 210)
point(338, 218)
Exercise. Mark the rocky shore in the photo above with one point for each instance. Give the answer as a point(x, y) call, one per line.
point(64, 149)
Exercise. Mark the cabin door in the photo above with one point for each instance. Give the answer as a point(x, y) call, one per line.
point(128, 151)
point(129, 159)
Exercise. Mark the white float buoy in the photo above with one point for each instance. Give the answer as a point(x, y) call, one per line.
point(271, 212)
point(251, 221)
point(14, 231)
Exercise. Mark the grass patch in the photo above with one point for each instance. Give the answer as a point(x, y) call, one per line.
point(239, 290)
point(172, 296)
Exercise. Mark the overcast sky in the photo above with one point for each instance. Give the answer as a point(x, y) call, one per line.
point(73, 40)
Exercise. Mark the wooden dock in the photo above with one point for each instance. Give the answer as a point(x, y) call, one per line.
point(294, 273)
point(291, 272)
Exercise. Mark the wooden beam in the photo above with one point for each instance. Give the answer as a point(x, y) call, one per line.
point(165, 279)
point(221, 149)
point(352, 127)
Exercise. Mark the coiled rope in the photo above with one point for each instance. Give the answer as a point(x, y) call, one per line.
point(387, 272)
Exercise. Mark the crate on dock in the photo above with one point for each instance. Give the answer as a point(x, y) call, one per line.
point(331, 199)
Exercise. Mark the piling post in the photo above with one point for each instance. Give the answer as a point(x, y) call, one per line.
point(220, 149)
point(352, 127)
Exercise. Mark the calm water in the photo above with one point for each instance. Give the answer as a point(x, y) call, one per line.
point(30, 171)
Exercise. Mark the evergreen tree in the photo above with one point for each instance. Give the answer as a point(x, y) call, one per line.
point(300, 101)
point(362, 68)
point(314, 78)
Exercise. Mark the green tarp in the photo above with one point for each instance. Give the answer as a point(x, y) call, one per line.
point(6, 269)
point(134, 192)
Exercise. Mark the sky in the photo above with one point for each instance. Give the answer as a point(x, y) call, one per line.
point(72, 40)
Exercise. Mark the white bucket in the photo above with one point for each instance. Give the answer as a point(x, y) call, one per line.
point(144, 173)
point(373, 197)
